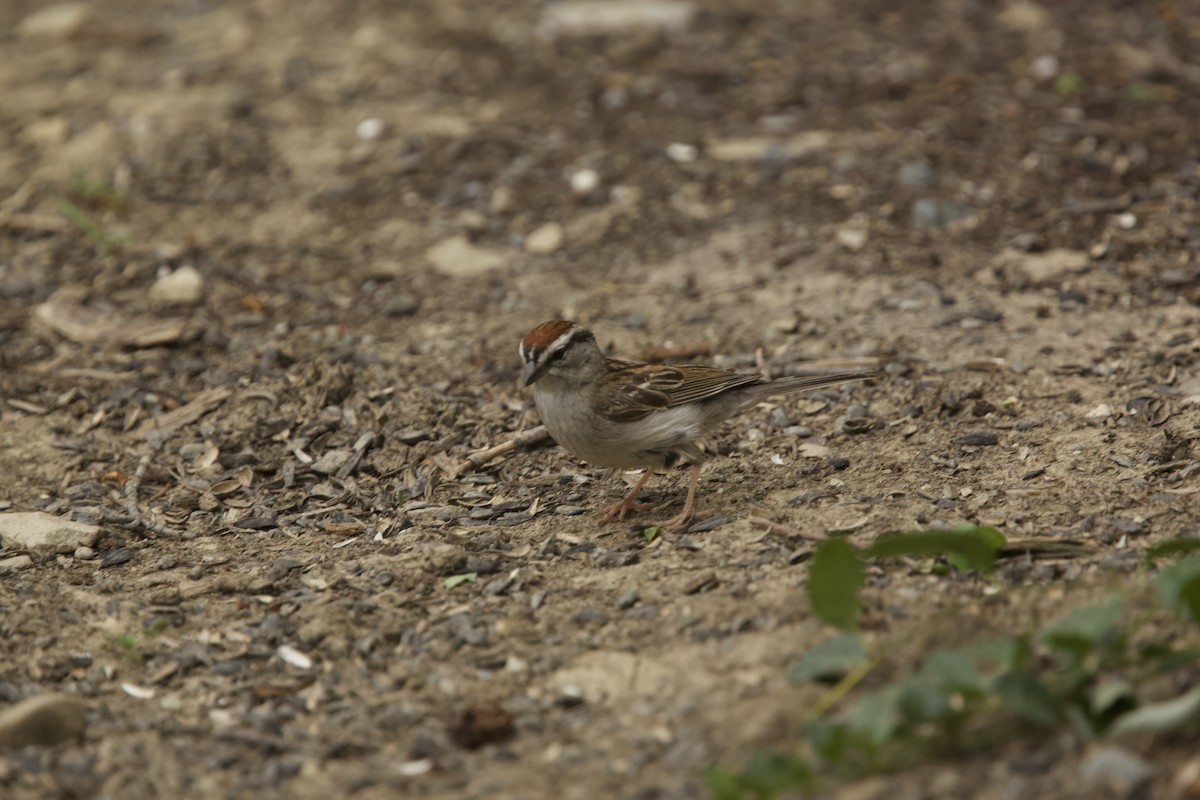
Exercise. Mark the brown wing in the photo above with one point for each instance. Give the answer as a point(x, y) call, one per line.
point(644, 388)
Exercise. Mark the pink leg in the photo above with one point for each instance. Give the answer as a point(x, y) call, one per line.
point(619, 510)
point(681, 519)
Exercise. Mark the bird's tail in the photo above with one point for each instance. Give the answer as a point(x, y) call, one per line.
point(801, 383)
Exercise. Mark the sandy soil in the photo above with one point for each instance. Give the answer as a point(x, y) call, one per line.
point(997, 200)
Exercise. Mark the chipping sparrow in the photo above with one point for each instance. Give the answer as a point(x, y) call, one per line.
point(622, 414)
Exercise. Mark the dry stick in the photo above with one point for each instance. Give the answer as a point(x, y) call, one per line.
point(777, 528)
point(528, 438)
point(131, 502)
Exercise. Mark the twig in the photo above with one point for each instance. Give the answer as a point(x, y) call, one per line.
point(200, 405)
point(525, 439)
point(832, 697)
point(131, 502)
point(777, 528)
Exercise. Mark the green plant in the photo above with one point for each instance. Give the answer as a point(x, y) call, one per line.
point(130, 645)
point(1080, 673)
point(90, 195)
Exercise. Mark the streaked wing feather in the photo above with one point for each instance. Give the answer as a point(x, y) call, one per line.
point(665, 386)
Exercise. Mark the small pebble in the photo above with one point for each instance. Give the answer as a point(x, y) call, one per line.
point(569, 511)
point(977, 439)
point(183, 287)
point(932, 212)
point(166, 562)
point(916, 173)
point(839, 462)
point(585, 181)
point(370, 129)
point(85, 553)
point(1116, 768)
point(712, 523)
point(1044, 68)
point(114, 557)
point(628, 599)
point(1126, 221)
point(402, 305)
point(681, 153)
point(546, 239)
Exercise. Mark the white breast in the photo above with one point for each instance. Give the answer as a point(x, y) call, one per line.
point(602, 443)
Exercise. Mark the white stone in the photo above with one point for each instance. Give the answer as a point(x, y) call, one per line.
point(183, 287)
point(585, 181)
point(681, 153)
point(1045, 68)
point(456, 257)
point(370, 129)
point(596, 17)
point(16, 562)
point(852, 238)
point(1126, 221)
point(1051, 266)
point(546, 239)
point(756, 148)
point(1102, 411)
point(54, 22)
point(37, 530)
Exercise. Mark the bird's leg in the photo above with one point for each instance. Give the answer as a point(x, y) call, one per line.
point(619, 510)
point(681, 519)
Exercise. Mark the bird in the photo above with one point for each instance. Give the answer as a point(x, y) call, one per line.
point(626, 414)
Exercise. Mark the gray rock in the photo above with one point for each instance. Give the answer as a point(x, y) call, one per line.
point(932, 212)
point(916, 173)
point(402, 305)
point(1116, 768)
point(37, 530)
point(43, 720)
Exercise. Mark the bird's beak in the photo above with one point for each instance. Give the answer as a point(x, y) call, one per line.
point(531, 372)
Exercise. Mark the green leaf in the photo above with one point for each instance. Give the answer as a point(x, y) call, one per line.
point(952, 671)
point(1006, 653)
point(457, 580)
point(771, 774)
point(830, 740)
point(1172, 547)
point(921, 701)
point(1086, 629)
point(968, 546)
point(1160, 717)
point(835, 578)
point(1068, 83)
point(876, 716)
point(1024, 695)
point(1179, 586)
point(651, 534)
point(832, 658)
point(723, 784)
point(1109, 694)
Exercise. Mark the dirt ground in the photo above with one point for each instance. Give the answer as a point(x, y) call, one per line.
point(998, 200)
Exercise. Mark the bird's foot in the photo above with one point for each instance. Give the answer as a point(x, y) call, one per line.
point(617, 511)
